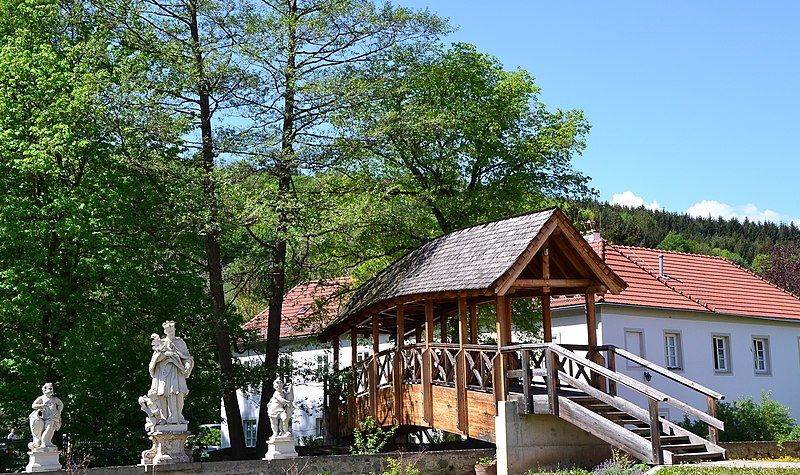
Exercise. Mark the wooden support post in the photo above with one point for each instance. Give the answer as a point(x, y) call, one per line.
point(461, 368)
point(473, 324)
point(443, 328)
point(351, 397)
point(713, 433)
point(552, 380)
point(500, 390)
point(418, 334)
point(373, 370)
point(397, 371)
point(655, 433)
point(591, 330)
point(333, 396)
point(353, 347)
point(591, 322)
point(526, 381)
point(427, 365)
point(612, 365)
point(547, 322)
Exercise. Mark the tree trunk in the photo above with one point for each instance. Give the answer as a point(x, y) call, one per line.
point(213, 256)
point(277, 280)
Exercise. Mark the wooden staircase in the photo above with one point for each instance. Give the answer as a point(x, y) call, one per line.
point(678, 444)
point(584, 393)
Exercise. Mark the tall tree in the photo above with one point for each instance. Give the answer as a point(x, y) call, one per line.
point(468, 139)
point(82, 276)
point(782, 267)
point(183, 68)
point(303, 52)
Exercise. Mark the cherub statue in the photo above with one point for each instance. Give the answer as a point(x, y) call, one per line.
point(279, 409)
point(154, 415)
point(45, 419)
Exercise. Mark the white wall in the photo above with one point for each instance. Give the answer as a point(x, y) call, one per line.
point(308, 395)
point(696, 330)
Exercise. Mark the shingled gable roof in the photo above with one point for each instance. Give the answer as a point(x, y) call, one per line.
point(694, 282)
point(470, 259)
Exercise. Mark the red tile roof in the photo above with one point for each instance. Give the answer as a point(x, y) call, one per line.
point(693, 282)
point(307, 308)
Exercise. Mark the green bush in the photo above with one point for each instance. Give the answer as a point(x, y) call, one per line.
point(747, 420)
point(369, 438)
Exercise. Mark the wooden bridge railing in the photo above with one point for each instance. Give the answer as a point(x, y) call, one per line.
point(529, 369)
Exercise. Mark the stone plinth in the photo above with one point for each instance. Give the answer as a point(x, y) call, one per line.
point(169, 445)
point(281, 448)
point(42, 460)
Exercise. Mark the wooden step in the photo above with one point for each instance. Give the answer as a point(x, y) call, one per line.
point(684, 448)
point(696, 457)
point(668, 439)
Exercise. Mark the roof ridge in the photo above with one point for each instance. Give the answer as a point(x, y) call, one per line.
point(720, 258)
point(663, 282)
point(694, 254)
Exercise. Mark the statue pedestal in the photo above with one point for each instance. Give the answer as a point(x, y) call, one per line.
point(281, 448)
point(169, 445)
point(43, 461)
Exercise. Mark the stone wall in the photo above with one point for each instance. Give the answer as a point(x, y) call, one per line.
point(451, 462)
point(761, 450)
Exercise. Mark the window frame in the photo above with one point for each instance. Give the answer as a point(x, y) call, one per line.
point(726, 339)
point(678, 366)
point(630, 364)
point(767, 370)
point(253, 431)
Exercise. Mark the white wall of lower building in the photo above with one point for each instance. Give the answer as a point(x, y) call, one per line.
point(307, 416)
point(695, 331)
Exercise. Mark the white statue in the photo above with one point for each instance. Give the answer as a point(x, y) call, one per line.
point(169, 367)
point(45, 419)
point(153, 412)
point(279, 410)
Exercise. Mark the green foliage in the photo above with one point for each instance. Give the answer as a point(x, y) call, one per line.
point(396, 467)
point(648, 228)
point(453, 134)
point(369, 438)
point(620, 464)
point(747, 420)
point(697, 470)
point(486, 461)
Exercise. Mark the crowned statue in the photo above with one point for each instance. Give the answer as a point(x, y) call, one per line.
point(169, 367)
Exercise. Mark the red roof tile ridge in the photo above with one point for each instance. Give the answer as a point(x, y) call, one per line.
point(720, 258)
point(797, 297)
point(656, 277)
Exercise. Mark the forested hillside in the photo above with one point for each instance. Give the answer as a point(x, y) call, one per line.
point(768, 249)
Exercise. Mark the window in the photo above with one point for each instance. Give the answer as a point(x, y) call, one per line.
point(320, 427)
point(250, 429)
point(322, 361)
point(634, 342)
point(363, 355)
point(722, 356)
point(672, 350)
point(761, 355)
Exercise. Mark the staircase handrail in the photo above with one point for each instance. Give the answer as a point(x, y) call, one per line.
point(639, 387)
point(668, 374)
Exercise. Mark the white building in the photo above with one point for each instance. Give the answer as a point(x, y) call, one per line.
point(701, 316)
point(305, 308)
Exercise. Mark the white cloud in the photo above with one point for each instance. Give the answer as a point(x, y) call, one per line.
point(715, 209)
point(627, 198)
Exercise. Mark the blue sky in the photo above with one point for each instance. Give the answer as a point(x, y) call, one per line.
point(694, 105)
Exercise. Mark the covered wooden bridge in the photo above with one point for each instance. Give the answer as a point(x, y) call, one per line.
point(425, 380)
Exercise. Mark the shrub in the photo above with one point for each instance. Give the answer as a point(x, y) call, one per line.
point(747, 420)
point(620, 464)
point(369, 438)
